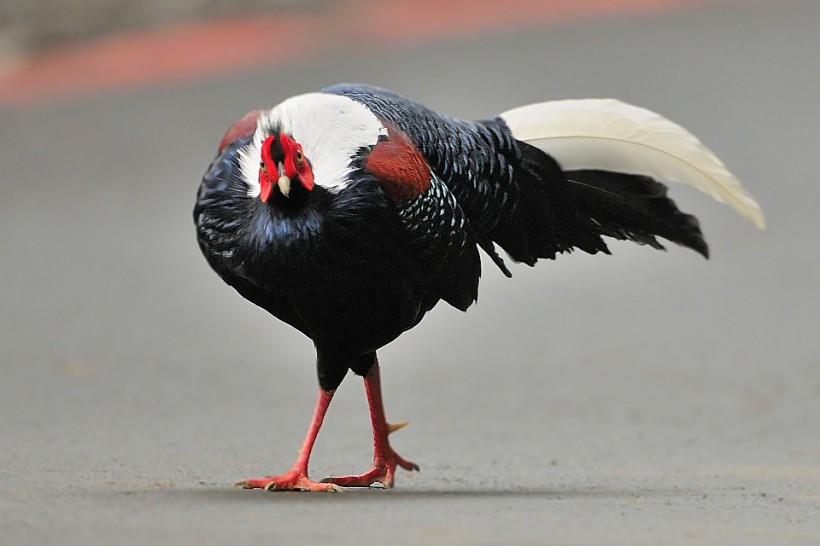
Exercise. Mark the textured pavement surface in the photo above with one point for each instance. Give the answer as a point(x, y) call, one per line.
point(639, 398)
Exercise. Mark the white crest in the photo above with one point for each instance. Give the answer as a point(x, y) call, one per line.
point(332, 129)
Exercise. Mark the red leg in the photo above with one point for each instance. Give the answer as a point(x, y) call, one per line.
point(296, 478)
point(385, 459)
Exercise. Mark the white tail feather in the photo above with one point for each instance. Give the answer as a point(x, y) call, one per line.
point(610, 135)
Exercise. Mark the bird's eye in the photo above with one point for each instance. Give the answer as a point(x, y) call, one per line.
point(300, 158)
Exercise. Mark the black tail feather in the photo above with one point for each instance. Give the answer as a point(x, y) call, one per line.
point(488, 247)
point(561, 210)
point(633, 207)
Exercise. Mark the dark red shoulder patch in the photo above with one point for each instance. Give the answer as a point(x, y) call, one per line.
point(243, 127)
point(399, 166)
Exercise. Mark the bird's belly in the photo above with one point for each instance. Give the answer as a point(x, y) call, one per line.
point(339, 270)
point(356, 313)
point(348, 303)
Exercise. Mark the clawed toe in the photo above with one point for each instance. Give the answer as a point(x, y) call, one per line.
point(383, 472)
point(287, 482)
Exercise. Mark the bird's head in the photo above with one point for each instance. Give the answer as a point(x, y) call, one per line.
point(306, 143)
point(283, 168)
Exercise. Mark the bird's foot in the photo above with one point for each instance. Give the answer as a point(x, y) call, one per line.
point(383, 472)
point(293, 480)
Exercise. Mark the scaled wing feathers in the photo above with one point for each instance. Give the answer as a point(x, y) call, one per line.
point(610, 135)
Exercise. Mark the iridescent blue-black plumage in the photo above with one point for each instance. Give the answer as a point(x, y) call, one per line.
point(353, 267)
point(336, 266)
point(515, 195)
point(403, 198)
point(475, 159)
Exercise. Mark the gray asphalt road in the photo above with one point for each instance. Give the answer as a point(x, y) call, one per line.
point(642, 398)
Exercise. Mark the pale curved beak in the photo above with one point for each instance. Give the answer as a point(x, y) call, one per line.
point(284, 181)
point(284, 184)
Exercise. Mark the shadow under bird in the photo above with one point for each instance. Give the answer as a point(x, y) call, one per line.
point(351, 212)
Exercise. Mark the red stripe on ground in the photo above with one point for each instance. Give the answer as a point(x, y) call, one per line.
point(199, 49)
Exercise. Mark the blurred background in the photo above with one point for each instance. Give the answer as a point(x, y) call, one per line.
point(638, 398)
point(40, 26)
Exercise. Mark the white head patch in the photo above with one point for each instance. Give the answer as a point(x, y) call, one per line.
point(331, 129)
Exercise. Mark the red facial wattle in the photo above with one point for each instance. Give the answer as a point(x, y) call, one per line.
point(267, 171)
point(295, 163)
point(294, 167)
